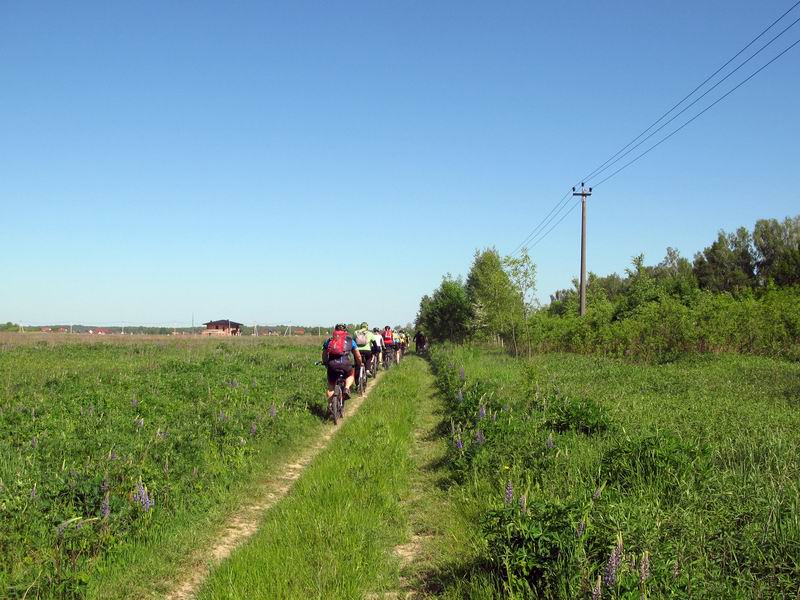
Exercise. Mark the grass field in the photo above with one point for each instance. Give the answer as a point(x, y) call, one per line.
point(333, 535)
point(113, 454)
point(571, 473)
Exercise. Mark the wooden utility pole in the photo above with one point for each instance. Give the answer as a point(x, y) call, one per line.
point(583, 193)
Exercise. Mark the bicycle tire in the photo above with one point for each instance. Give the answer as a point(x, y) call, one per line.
point(362, 380)
point(333, 405)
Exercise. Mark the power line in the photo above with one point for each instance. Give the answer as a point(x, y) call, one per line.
point(707, 108)
point(687, 96)
point(695, 101)
point(538, 233)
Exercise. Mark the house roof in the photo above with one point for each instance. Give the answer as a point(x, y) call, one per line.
point(224, 322)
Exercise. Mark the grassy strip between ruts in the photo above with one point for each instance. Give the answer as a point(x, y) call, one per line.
point(331, 537)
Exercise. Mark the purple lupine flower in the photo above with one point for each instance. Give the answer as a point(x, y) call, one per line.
point(482, 412)
point(62, 528)
point(459, 396)
point(523, 504)
point(142, 497)
point(550, 443)
point(112, 456)
point(597, 492)
point(105, 507)
point(597, 590)
point(479, 437)
point(104, 485)
point(459, 443)
point(134, 401)
point(581, 529)
point(644, 567)
point(33, 492)
point(34, 442)
point(253, 428)
point(461, 374)
point(509, 492)
point(614, 561)
point(273, 410)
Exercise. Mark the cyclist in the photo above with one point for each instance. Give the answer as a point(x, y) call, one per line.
point(336, 357)
point(420, 341)
point(388, 344)
point(365, 344)
point(381, 348)
point(398, 345)
point(404, 341)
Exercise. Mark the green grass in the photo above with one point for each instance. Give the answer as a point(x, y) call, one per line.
point(698, 466)
point(191, 420)
point(332, 536)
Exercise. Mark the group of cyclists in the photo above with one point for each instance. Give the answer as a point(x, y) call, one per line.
point(352, 359)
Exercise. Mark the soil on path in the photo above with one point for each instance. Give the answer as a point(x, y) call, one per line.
point(245, 521)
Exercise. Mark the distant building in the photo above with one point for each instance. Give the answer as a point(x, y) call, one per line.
point(299, 331)
point(223, 327)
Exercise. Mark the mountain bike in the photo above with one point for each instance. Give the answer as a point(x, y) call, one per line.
point(388, 358)
point(336, 401)
point(361, 385)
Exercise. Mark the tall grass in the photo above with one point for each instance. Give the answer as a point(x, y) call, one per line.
point(111, 453)
point(676, 480)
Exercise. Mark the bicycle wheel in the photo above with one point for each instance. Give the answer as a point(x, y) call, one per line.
point(333, 404)
point(362, 380)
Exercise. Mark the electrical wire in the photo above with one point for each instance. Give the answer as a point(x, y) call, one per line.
point(687, 96)
point(695, 101)
point(702, 112)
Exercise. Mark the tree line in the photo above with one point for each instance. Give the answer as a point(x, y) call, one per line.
point(741, 293)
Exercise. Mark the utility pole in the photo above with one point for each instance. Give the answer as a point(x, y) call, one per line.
point(583, 193)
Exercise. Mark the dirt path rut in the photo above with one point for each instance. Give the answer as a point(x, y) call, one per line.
point(246, 520)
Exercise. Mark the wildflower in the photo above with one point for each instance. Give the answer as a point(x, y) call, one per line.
point(34, 442)
point(613, 564)
point(112, 456)
point(273, 410)
point(104, 485)
point(480, 438)
point(509, 492)
point(105, 507)
point(482, 412)
point(581, 529)
point(523, 504)
point(253, 428)
point(459, 443)
point(33, 492)
point(597, 590)
point(644, 567)
point(461, 374)
point(676, 570)
point(550, 443)
point(142, 497)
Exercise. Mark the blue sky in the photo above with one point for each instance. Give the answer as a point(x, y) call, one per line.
point(317, 162)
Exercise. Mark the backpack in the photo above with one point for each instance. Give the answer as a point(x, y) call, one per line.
point(340, 344)
point(388, 338)
point(361, 338)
